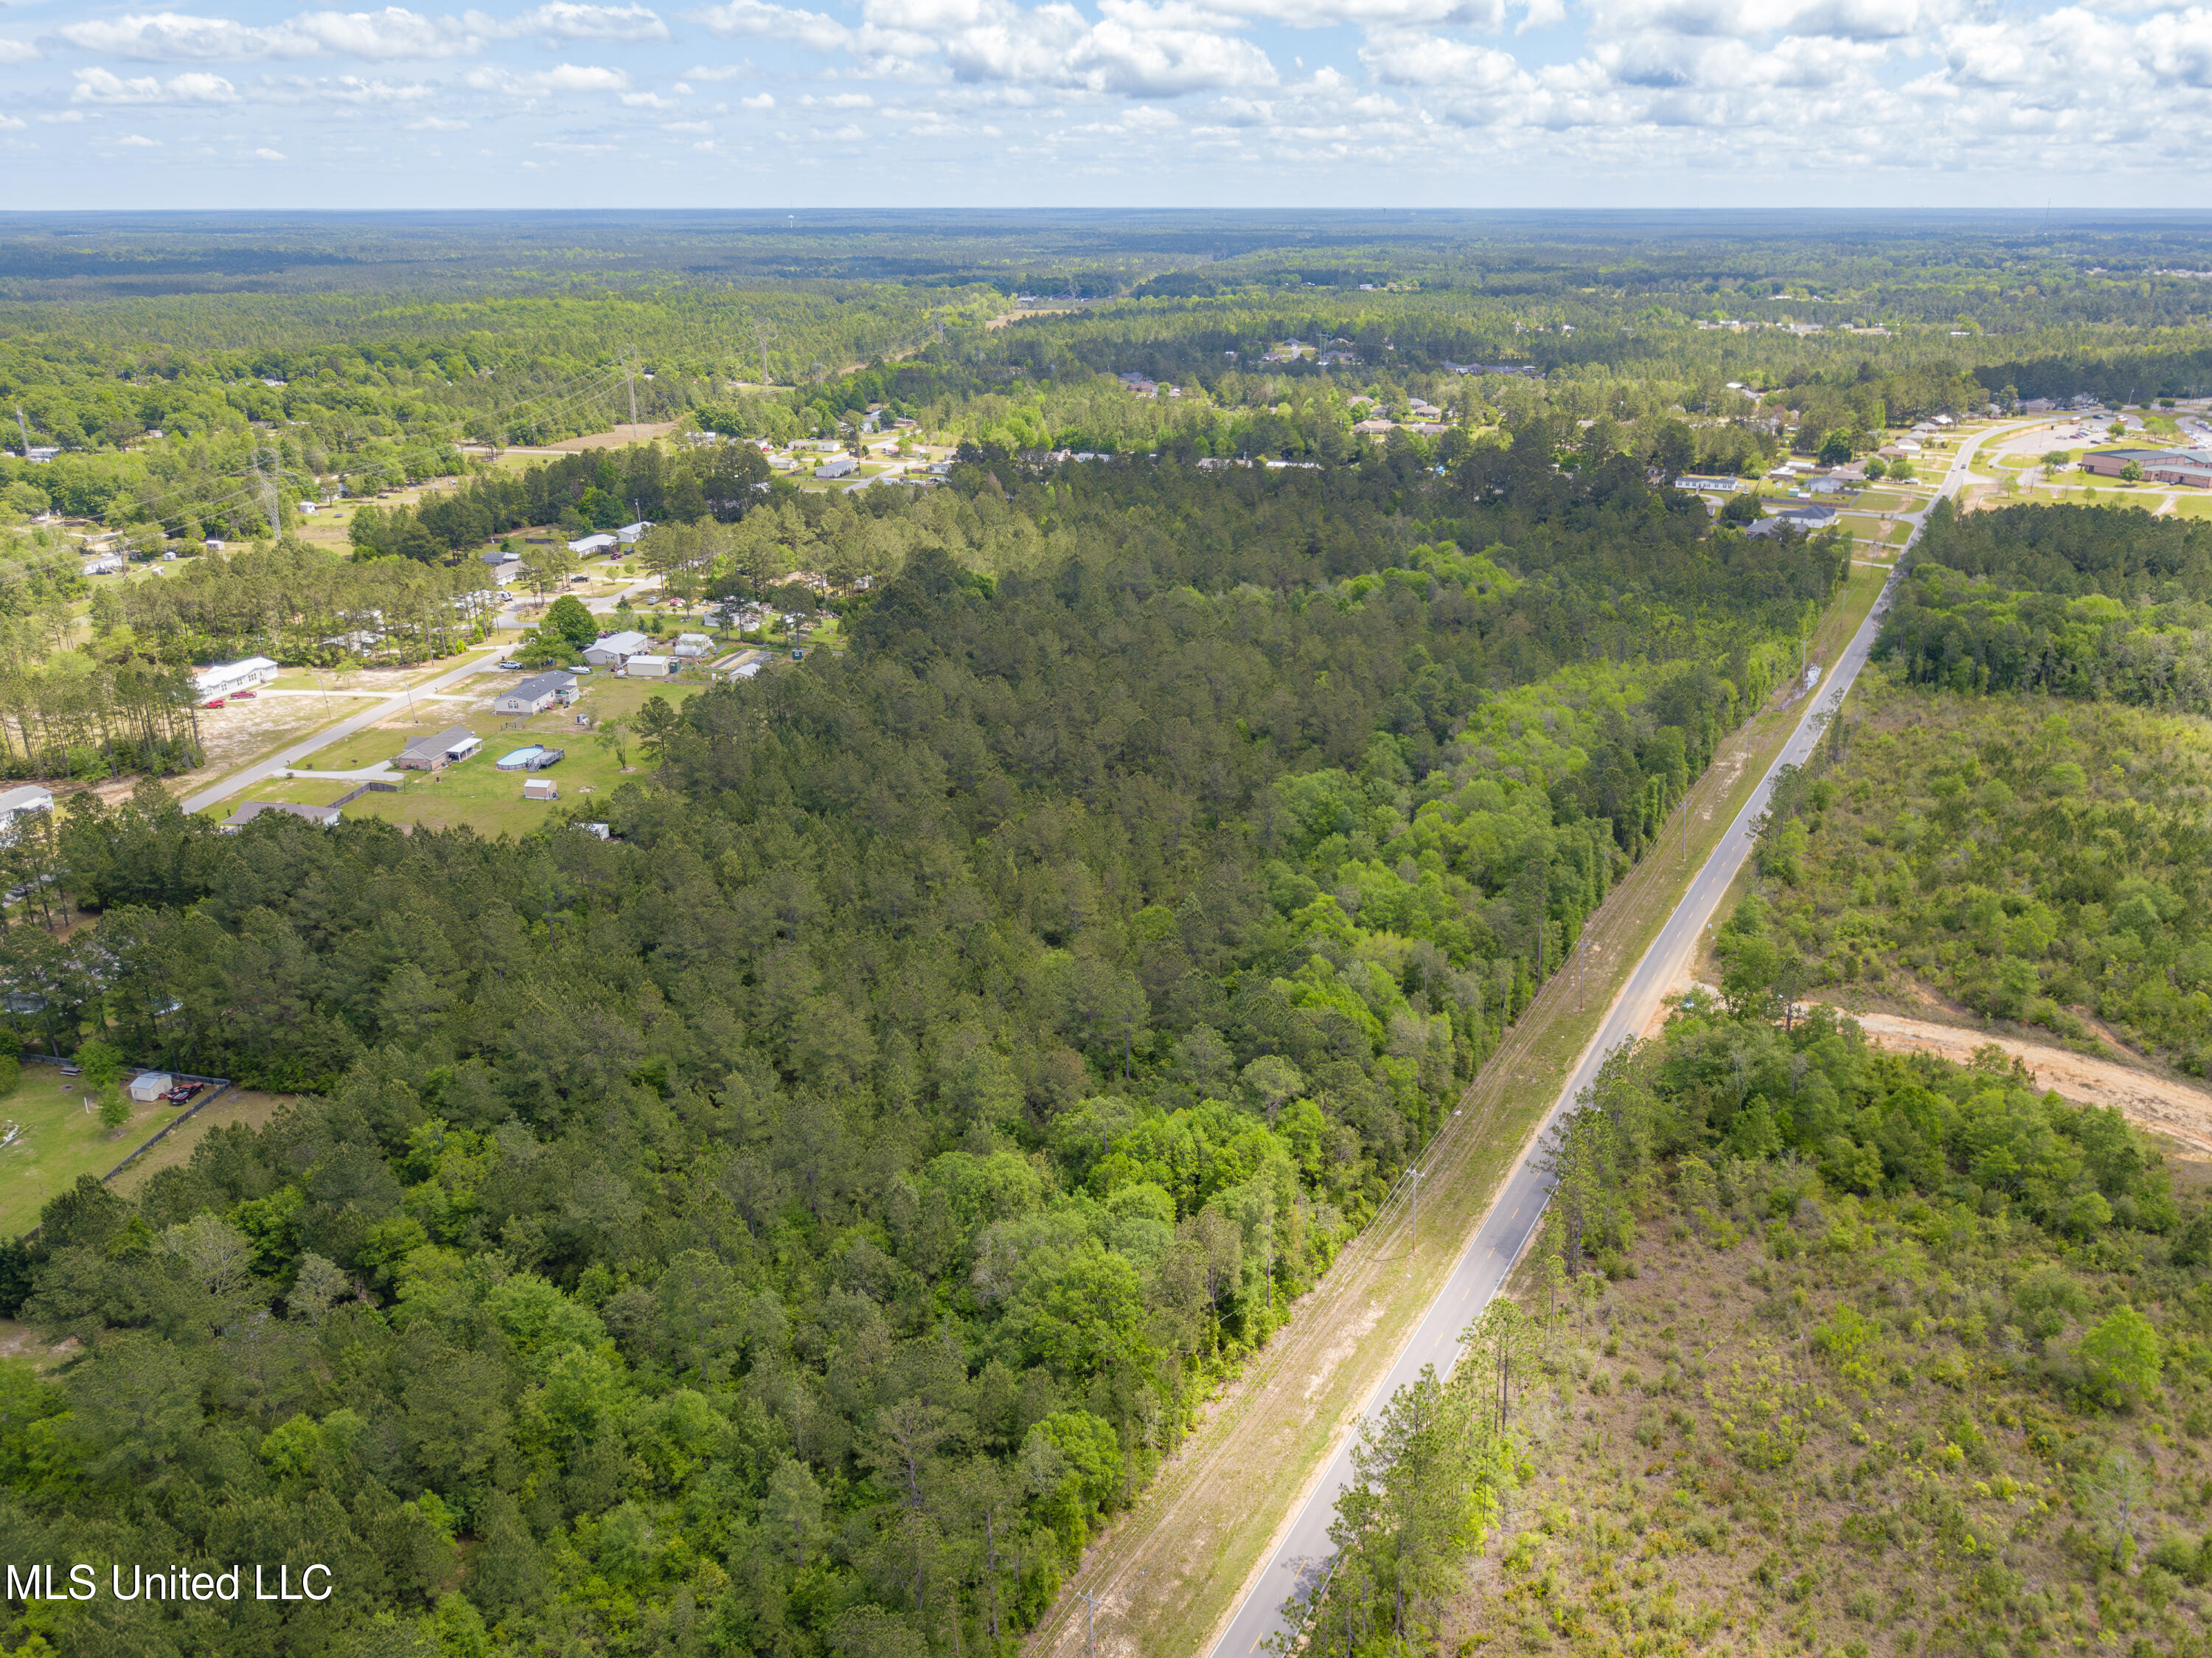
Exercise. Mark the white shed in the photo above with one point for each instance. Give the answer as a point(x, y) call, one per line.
point(148, 1085)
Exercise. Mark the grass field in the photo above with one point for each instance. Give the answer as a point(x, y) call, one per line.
point(1171, 1570)
point(246, 1105)
point(477, 795)
point(60, 1141)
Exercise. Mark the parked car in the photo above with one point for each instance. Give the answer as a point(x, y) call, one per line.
point(243, 696)
point(217, 703)
point(512, 667)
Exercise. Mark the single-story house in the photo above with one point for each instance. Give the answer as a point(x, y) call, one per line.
point(17, 802)
point(1826, 486)
point(1711, 483)
point(540, 788)
point(693, 645)
point(2192, 467)
point(647, 666)
point(455, 742)
point(630, 535)
point(586, 546)
point(104, 563)
point(613, 650)
point(150, 1085)
point(326, 815)
point(226, 677)
point(843, 466)
point(1807, 518)
point(537, 694)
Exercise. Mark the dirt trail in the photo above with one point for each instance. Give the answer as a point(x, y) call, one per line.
point(2180, 1111)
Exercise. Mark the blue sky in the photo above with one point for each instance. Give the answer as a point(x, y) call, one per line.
point(1457, 103)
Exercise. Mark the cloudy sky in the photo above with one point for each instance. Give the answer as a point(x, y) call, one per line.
point(1465, 103)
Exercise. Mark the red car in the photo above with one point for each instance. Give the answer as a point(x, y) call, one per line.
point(243, 696)
point(217, 703)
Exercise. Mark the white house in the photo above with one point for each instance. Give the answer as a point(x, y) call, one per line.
point(224, 677)
point(630, 535)
point(693, 645)
point(613, 650)
point(843, 466)
point(649, 667)
point(17, 802)
point(537, 694)
point(104, 563)
point(588, 545)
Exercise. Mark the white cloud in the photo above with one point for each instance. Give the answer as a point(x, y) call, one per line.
point(12, 123)
point(566, 20)
point(1412, 59)
point(394, 31)
point(649, 100)
point(686, 127)
point(100, 86)
point(759, 100)
point(564, 77)
point(849, 134)
point(757, 19)
point(17, 52)
point(138, 141)
point(437, 124)
point(1373, 13)
point(269, 155)
point(719, 71)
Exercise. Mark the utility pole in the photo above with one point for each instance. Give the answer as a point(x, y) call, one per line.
point(1414, 1175)
point(1270, 1267)
point(1091, 1622)
point(269, 491)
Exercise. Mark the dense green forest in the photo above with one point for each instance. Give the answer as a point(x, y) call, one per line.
point(2067, 601)
point(789, 1225)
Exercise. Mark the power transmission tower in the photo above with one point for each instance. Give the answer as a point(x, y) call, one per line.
point(269, 494)
point(630, 374)
point(1091, 1622)
point(760, 339)
point(23, 426)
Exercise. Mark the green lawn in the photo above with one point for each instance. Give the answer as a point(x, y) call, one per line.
point(298, 791)
point(1901, 533)
point(1879, 501)
point(477, 794)
point(60, 1141)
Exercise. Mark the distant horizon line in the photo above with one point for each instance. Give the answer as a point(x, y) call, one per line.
point(2047, 213)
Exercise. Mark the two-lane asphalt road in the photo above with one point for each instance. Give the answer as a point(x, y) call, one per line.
point(1512, 1220)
